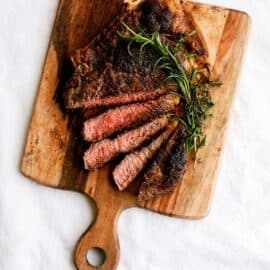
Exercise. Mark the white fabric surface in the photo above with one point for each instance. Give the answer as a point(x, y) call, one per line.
point(39, 226)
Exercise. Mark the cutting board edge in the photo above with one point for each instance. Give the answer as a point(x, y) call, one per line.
point(34, 179)
point(23, 166)
point(202, 215)
point(225, 8)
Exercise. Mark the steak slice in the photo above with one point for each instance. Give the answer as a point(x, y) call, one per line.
point(114, 120)
point(130, 167)
point(120, 99)
point(102, 152)
point(166, 169)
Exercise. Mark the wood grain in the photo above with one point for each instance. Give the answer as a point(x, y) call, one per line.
point(103, 232)
point(52, 147)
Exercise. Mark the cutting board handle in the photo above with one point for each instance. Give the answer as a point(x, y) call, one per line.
point(102, 234)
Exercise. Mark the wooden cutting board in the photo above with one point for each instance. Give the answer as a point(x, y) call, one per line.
point(52, 152)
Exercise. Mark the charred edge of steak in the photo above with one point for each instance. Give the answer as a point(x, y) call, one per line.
point(115, 120)
point(104, 151)
point(155, 16)
point(166, 169)
point(131, 166)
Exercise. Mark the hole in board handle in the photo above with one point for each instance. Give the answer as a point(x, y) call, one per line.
point(96, 257)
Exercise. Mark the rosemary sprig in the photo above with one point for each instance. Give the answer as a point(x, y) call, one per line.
point(194, 92)
point(167, 60)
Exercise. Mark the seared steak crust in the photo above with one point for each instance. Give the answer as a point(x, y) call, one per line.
point(166, 169)
point(155, 16)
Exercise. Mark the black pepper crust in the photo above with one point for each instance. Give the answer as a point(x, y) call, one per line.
point(166, 169)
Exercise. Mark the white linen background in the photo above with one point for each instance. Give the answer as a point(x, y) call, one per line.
point(39, 226)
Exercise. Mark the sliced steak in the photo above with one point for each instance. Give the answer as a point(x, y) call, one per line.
point(115, 120)
point(102, 152)
point(121, 99)
point(166, 169)
point(130, 167)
